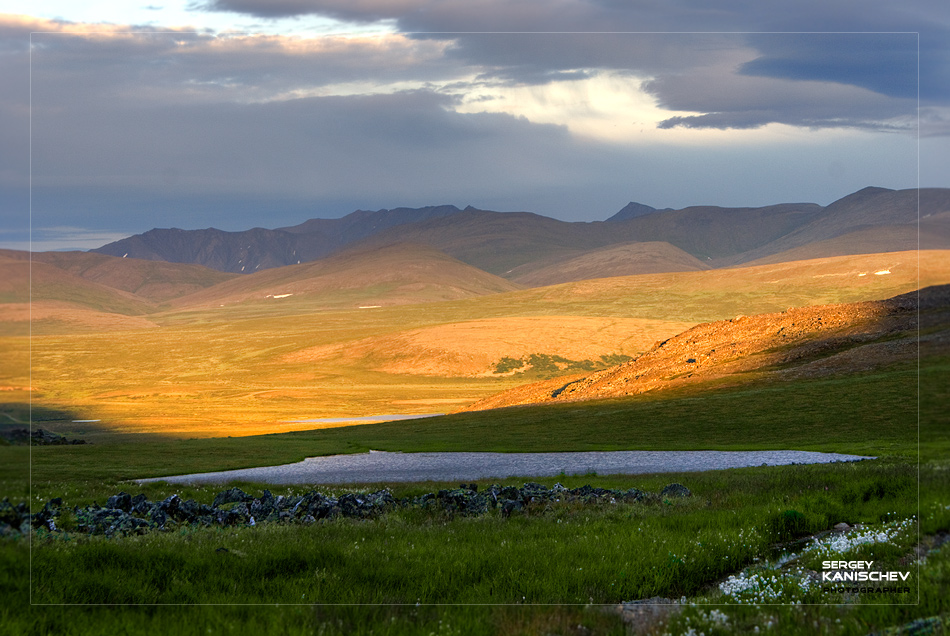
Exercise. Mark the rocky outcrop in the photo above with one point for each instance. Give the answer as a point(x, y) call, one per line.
point(124, 514)
point(14, 519)
point(39, 437)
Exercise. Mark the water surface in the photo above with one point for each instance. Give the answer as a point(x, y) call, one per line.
point(378, 466)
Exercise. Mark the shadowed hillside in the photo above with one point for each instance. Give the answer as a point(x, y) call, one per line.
point(259, 249)
point(629, 259)
point(870, 220)
point(503, 242)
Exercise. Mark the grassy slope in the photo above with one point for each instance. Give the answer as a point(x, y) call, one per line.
point(223, 371)
point(392, 273)
point(21, 282)
point(873, 414)
point(626, 259)
point(156, 281)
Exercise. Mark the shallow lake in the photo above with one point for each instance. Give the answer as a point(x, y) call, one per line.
point(378, 466)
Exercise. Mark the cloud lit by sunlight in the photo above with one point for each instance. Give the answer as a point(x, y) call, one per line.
point(607, 107)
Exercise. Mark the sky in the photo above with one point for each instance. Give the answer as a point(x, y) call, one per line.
point(117, 117)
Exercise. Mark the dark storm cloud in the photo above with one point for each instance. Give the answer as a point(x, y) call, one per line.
point(121, 121)
point(610, 15)
point(728, 100)
point(885, 63)
point(136, 131)
point(171, 67)
point(868, 53)
point(537, 58)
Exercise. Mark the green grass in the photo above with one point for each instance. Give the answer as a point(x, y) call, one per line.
point(562, 554)
point(568, 555)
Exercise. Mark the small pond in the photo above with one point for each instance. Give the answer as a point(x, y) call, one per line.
point(379, 467)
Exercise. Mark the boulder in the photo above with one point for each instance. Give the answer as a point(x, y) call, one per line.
point(231, 495)
point(675, 490)
point(122, 501)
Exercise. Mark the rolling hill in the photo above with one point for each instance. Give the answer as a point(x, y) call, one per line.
point(627, 259)
point(260, 363)
point(501, 243)
point(392, 274)
point(22, 282)
point(799, 342)
point(155, 281)
point(873, 219)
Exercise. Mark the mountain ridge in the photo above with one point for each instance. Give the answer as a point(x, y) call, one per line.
point(510, 244)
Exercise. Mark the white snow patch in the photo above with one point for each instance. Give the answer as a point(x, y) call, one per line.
point(370, 306)
point(282, 295)
point(882, 272)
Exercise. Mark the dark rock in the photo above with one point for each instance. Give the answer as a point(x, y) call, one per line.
point(231, 495)
point(589, 494)
point(634, 495)
point(110, 522)
point(41, 437)
point(382, 501)
point(45, 516)
point(464, 501)
point(229, 518)
point(124, 514)
point(122, 501)
point(352, 506)
point(675, 490)
point(141, 505)
point(534, 492)
point(14, 520)
point(265, 506)
point(510, 506)
point(509, 492)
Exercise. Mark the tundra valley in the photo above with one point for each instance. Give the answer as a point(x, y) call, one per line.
point(788, 327)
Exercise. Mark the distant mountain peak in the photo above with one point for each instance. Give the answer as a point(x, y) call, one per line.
point(632, 210)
